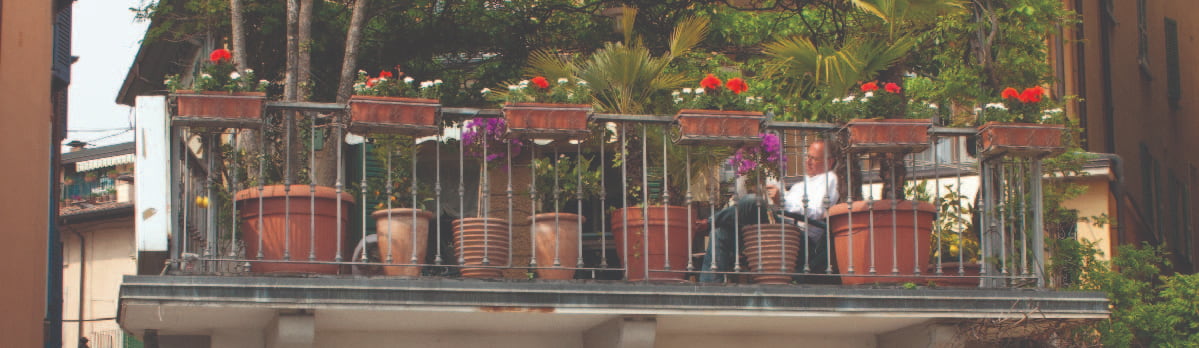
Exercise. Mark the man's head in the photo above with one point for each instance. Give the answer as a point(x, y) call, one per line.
point(816, 161)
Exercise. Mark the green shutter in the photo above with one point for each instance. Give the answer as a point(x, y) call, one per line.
point(1173, 75)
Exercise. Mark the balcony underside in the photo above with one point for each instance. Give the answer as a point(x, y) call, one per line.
point(200, 304)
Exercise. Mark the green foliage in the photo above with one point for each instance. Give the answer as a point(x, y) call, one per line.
point(395, 185)
point(1148, 309)
point(562, 181)
point(560, 90)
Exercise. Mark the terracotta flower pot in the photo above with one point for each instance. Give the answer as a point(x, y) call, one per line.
point(547, 120)
point(663, 221)
point(214, 108)
point(716, 127)
point(888, 135)
point(557, 236)
point(286, 227)
point(413, 116)
point(1020, 139)
point(771, 248)
point(479, 239)
point(403, 238)
point(906, 249)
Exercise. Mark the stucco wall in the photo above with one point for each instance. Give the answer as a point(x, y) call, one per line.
point(1095, 201)
point(25, 121)
point(110, 254)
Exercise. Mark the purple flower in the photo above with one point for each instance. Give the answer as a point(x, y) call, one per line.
point(489, 135)
point(769, 154)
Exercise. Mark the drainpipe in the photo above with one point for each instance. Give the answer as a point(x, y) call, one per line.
point(82, 285)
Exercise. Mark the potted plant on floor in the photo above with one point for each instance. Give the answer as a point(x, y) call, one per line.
point(220, 95)
point(394, 103)
point(484, 240)
point(402, 223)
point(772, 246)
point(560, 182)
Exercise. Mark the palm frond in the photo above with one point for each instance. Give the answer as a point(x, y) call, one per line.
point(550, 64)
point(687, 33)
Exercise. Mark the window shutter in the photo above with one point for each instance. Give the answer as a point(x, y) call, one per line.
point(61, 68)
point(1173, 78)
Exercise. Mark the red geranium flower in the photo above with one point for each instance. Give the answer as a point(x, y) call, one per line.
point(372, 81)
point(540, 82)
point(1009, 93)
point(219, 55)
point(1032, 94)
point(891, 87)
point(710, 82)
point(737, 85)
point(870, 86)
point(385, 73)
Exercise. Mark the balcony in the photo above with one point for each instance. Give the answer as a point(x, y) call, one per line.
point(343, 266)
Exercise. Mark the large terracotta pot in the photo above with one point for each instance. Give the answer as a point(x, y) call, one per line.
point(662, 221)
point(414, 116)
point(906, 248)
point(772, 248)
point(557, 236)
point(716, 127)
point(549, 120)
point(402, 238)
point(476, 239)
point(1020, 139)
point(889, 135)
point(214, 108)
point(286, 227)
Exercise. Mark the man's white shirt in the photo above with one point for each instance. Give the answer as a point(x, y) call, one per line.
point(813, 188)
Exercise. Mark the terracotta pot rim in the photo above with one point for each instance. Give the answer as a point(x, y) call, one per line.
point(297, 192)
point(990, 124)
point(907, 121)
point(696, 112)
point(189, 92)
point(360, 98)
point(402, 212)
point(864, 207)
point(543, 217)
point(550, 105)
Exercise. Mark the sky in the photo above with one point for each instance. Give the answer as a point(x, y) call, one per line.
point(106, 39)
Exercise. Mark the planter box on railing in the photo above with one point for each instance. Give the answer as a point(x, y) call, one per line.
point(411, 116)
point(888, 135)
point(1020, 139)
point(716, 127)
point(547, 120)
point(219, 109)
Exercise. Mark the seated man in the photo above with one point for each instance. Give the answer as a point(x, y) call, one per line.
point(804, 205)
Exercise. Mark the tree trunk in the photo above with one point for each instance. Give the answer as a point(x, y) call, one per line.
point(304, 64)
point(893, 172)
point(247, 139)
point(350, 60)
point(290, 84)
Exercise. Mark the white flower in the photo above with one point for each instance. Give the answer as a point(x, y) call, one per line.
point(513, 87)
point(249, 71)
point(1054, 111)
point(436, 82)
point(687, 90)
point(867, 95)
point(1046, 117)
point(381, 79)
point(485, 91)
point(524, 83)
point(264, 82)
point(361, 72)
point(409, 79)
point(582, 83)
point(933, 105)
point(674, 94)
point(562, 80)
point(426, 84)
point(996, 106)
point(205, 76)
point(699, 91)
point(978, 110)
point(750, 100)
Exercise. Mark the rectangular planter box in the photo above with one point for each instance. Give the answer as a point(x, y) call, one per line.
point(716, 127)
point(547, 120)
point(888, 135)
point(412, 116)
point(1020, 139)
point(219, 109)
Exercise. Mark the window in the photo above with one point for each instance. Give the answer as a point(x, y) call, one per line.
point(1149, 189)
point(1173, 79)
point(1180, 208)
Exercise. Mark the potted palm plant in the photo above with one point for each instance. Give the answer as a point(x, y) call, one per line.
point(221, 95)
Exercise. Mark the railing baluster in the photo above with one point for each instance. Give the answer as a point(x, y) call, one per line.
point(413, 260)
point(870, 210)
point(536, 199)
point(579, 198)
point(557, 202)
point(437, 260)
point(312, 188)
point(603, 206)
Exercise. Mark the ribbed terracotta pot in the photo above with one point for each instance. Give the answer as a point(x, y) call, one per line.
point(770, 247)
point(662, 221)
point(476, 239)
point(238, 109)
point(557, 237)
point(414, 116)
point(907, 248)
point(1020, 139)
point(402, 238)
point(286, 227)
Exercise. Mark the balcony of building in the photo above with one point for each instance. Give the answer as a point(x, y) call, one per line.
point(297, 221)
